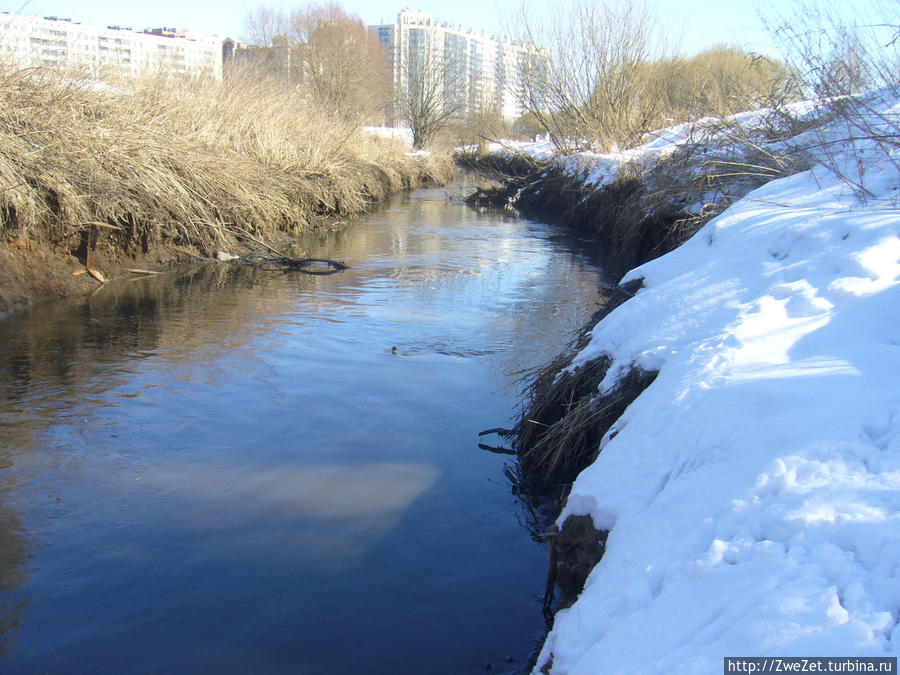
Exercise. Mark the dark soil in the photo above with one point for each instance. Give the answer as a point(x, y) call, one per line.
point(32, 270)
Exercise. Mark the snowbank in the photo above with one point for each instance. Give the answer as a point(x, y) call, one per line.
point(752, 492)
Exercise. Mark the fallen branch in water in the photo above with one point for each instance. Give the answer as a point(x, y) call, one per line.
point(298, 263)
point(499, 450)
point(500, 431)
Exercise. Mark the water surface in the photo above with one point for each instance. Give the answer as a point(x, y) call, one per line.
point(228, 469)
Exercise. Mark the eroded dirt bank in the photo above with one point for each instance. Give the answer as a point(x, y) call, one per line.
point(36, 270)
point(35, 267)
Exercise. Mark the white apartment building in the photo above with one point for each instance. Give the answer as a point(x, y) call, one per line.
point(61, 42)
point(479, 72)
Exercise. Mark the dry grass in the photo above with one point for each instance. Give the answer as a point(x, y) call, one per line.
point(190, 162)
point(566, 419)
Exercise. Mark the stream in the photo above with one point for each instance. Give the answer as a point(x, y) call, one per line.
point(234, 469)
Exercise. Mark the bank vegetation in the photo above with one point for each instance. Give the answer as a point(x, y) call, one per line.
point(173, 167)
point(612, 75)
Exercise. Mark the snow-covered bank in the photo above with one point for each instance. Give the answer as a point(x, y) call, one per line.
point(752, 492)
point(713, 135)
point(642, 202)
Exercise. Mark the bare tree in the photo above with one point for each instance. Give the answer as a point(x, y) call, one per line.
point(264, 25)
point(345, 66)
point(330, 55)
point(430, 93)
point(592, 90)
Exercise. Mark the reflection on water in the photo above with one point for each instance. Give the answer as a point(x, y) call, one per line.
point(12, 575)
point(341, 507)
point(230, 468)
point(338, 492)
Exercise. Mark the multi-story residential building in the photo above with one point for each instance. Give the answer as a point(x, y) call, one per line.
point(61, 42)
point(477, 73)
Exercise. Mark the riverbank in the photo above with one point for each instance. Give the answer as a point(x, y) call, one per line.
point(744, 497)
point(165, 170)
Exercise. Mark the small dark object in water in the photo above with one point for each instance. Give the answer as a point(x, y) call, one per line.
point(394, 350)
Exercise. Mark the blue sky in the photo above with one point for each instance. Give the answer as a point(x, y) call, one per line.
point(700, 23)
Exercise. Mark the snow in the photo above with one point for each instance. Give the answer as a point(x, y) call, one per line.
point(402, 134)
point(752, 492)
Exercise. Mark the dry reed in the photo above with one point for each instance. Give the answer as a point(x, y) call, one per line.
point(566, 419)
point(188, 162)
point(563, 417)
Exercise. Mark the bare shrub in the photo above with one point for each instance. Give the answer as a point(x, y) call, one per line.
point(528, 126)
point(719, 81)
point(592, 91)
point(483, 126)
point(611, 77)
point(846, 59)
